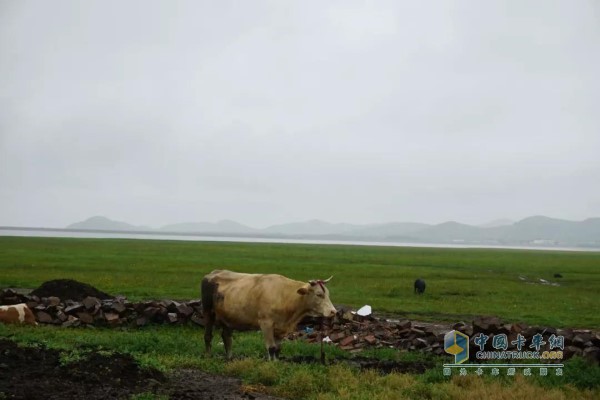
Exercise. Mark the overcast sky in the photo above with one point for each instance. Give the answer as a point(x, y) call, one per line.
point(264, 112)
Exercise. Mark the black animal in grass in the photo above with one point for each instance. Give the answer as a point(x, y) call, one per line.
point(557, 275)
point(419, 286)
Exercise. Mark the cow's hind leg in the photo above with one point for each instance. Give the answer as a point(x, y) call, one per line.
point(227, 340)
point(209, 322)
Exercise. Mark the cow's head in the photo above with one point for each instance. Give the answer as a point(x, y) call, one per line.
point(316, 297)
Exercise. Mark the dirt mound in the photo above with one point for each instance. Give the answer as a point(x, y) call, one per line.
point(32, 373)
point(37, 373)
point(69, 289)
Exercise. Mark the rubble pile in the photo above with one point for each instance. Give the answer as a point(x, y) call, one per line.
point(112, 311)
point(580, 342)
point(352, 332)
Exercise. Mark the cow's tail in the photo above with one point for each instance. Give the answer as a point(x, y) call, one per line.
point(208, 291)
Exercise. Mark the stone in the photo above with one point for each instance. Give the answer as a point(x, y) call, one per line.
point(8, 293)
point(62, 317)
point(118, 307)
point(580, 339)
point(197, 319)
point(44, 318)
point(596, 339)
point(571, 351)
point(404, 324)
point(347, 341)
point(416, 331)
point(337, 336)
point(370, 339)
point(91, 303)
point(172, 307)
point(32, 304)
point(486, 324)
point(460, 326)
point(185, 310)
point(85, 317)
point(74, 307)
point(172, 317)
point(111, 318)
point(151, 311)
point(567, 334)
point(52, 301)
point(71, 321)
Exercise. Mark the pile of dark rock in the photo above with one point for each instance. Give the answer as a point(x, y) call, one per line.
point(72, 303)
point(580, 342)
point(352, 332)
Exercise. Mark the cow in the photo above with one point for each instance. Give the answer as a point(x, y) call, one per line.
point(269, 302)
point(419, 286)
point(17, 314)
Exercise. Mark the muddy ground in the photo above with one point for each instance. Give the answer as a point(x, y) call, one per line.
point(32, 373)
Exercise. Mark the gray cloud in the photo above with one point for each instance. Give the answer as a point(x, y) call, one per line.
point(267, 112)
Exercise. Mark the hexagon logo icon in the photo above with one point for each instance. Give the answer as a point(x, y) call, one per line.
point(457, 344)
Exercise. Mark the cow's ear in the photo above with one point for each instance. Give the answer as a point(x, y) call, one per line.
point(302, 291)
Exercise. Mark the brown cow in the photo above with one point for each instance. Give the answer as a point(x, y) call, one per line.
point(17, 314)
point(272, 303)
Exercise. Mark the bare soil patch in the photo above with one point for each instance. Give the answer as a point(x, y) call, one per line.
point(32, 373)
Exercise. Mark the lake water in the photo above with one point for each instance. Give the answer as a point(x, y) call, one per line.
point(200, 238)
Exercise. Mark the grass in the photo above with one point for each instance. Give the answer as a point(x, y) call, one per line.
point(461, 283)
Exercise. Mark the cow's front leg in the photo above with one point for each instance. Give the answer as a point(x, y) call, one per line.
point(277, 346)
point(267, 329)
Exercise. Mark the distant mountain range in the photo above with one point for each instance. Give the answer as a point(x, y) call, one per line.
point(537, 230)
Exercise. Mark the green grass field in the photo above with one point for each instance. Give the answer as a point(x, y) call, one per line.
point(461, 283)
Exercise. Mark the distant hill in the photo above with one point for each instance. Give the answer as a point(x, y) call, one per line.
point(552, 229)
point(449, 232)
point(106, 224)
point(389, 230)
point(312, 227)
point(224, 226)
point(536, 230)
point(533, 230)
point(497, 222)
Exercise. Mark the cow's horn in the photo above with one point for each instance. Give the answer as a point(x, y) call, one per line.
point(328, 279)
